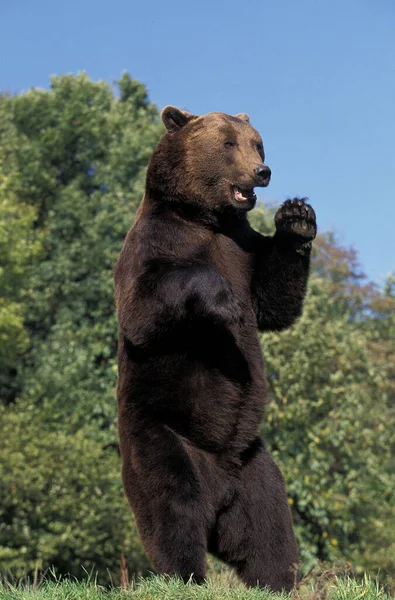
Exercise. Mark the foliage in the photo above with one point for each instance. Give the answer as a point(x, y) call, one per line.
point(81, 157)
point(331, 412)
point(332, 429)
point(18, 246)
point(61, 503)
point(72, 174)
point(331, 425)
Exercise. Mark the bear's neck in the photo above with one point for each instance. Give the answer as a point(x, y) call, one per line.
point(192, 212)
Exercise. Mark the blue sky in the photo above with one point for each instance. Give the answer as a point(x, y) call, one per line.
point(316, 77)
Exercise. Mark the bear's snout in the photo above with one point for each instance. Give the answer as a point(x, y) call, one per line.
point(263, 174)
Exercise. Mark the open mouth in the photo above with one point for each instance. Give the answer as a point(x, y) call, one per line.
point(243, 195)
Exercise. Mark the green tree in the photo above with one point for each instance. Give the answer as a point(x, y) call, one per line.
point(81, 155)
point(331, 418)
point(72, 172)
point(331, 411)
point(62, 503)
point(19, 245)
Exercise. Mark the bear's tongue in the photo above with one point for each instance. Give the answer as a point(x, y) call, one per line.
point(242, 196)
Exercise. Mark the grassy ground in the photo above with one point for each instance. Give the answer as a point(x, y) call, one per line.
point(158, 588)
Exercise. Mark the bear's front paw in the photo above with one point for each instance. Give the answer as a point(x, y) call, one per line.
point(296, 218)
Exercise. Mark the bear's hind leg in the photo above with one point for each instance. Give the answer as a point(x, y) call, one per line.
point(254, 533)
point(163, 487)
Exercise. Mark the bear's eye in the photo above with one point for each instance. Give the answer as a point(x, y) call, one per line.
point(229, 144)
point(259, 147)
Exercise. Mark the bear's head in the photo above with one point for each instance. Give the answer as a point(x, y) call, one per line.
point(214, 161)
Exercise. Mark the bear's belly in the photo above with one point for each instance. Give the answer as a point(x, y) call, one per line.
point(214, 400)
point(224, 412)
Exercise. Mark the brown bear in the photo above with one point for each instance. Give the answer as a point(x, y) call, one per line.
point(194, 284)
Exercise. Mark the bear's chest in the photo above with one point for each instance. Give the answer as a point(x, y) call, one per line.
point(234, 264)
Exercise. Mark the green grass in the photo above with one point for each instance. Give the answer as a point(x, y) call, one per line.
point(159, 588)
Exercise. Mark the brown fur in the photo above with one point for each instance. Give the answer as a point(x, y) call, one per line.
point(194, 282)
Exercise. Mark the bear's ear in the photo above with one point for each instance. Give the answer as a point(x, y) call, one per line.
point(243, 117)
point(174, 118)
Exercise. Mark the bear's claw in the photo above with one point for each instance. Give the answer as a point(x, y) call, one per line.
point(296, 218)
